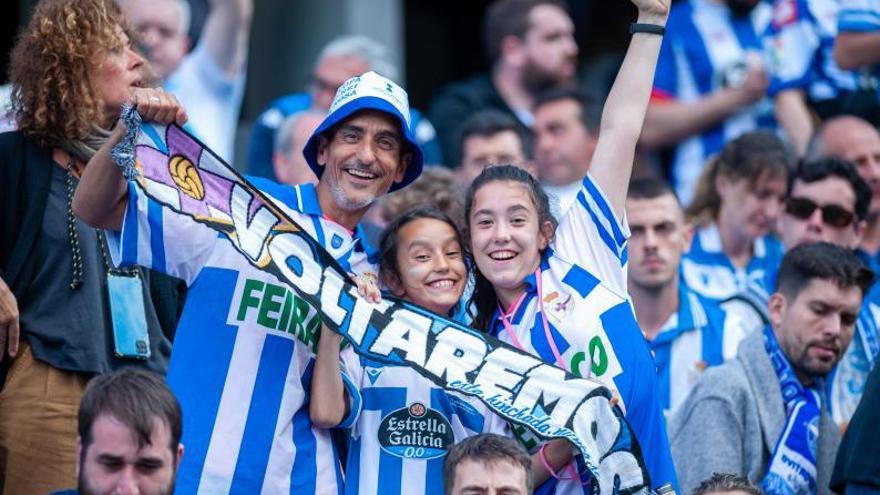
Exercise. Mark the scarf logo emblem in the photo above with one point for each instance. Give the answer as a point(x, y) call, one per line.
point(186, 177)
point(558, 306)
point(813, 435)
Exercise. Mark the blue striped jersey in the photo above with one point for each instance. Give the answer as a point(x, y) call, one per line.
point(800, 41)
point(706, 49)
point(403, 428)
point(700, 334)
point(708, 271)
point(860, 16)
point(847, 381)
point(243, 353)
point(592, 325)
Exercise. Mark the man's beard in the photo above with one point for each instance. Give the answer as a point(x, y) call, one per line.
point(741, 8)
point(653, 287)
point(348, 203)
point(537, 80)
point(83, 487)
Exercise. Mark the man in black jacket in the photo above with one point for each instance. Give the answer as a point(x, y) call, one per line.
point(532, 48)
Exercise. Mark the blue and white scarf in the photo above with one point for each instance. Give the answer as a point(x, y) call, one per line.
point(180, 173)
point(792, 468)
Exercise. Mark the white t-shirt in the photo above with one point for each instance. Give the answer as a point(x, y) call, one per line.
point(211, 98)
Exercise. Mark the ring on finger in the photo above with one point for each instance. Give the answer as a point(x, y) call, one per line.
point(155, 98)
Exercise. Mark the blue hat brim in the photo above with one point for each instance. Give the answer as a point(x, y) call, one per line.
point(413, 170)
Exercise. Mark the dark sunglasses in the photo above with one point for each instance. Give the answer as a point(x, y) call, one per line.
point(833, 215)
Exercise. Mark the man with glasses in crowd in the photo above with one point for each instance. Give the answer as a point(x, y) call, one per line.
point(826, 201)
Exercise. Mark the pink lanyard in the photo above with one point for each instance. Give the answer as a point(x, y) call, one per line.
point(508, 327)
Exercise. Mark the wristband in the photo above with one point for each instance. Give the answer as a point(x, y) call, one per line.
point(543, 459)
point(571, 469)
point(647, 28)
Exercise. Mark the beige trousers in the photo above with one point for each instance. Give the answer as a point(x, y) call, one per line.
point(38, 416)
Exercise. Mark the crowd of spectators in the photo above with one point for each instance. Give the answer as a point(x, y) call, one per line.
point(725, 294)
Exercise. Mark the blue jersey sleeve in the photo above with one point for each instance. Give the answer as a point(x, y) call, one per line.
point(640, 393)
point(793, 41)
point(666, 75)
point(158, 238)
point(860, 16)
point(352, 375)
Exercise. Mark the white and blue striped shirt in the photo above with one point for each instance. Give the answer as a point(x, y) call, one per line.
point(243, 352)
point(592, 325)
point(700, 334)
point(800, 41)
point(708, 271)
point(404, 428)
point(860, 16)
point(705, 49)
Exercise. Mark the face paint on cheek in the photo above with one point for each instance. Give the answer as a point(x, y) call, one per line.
point(409, 279)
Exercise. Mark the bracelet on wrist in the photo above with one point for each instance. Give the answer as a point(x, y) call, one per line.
point(638, 27)
point(543, 458)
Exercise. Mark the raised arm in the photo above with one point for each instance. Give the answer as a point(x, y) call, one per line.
point(669, 121)
point(226, 33)
point(794, 116)
point(102, 193)
point(625, 108)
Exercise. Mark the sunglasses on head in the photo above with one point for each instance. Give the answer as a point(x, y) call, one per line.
point(833, 215)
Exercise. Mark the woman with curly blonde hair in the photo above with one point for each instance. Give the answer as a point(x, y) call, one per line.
point(71, 70)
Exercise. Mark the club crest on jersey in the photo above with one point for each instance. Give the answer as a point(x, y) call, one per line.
point(415, 432)
point(558, 305)
point(785, 12)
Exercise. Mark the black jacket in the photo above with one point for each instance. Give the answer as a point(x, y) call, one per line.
point(458, 101)
point(858, 459)
point(25, 176)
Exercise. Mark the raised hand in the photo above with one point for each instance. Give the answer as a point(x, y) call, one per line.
point(155, 105)
point(754, 87)
point(368, 286)
point(652, 11)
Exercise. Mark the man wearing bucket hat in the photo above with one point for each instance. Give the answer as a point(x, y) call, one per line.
point(245, 343)
point(363, 149)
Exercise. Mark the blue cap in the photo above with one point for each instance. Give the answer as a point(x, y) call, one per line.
point(368, 91)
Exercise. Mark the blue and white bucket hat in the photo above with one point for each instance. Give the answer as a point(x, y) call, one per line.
point(369, 91)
